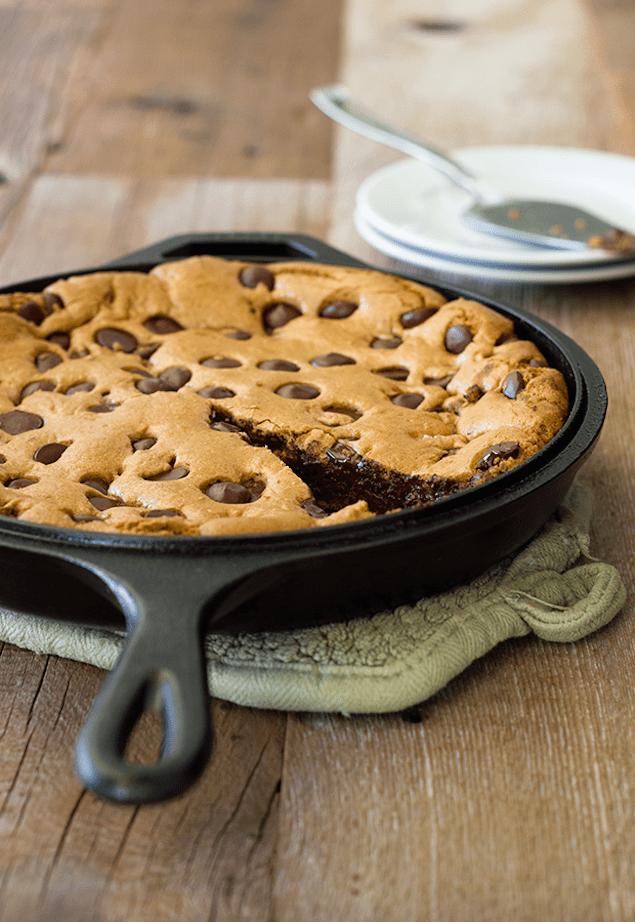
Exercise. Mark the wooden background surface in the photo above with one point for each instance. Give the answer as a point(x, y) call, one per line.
point(513, 796)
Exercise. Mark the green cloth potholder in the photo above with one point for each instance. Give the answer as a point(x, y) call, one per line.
point(396, 659)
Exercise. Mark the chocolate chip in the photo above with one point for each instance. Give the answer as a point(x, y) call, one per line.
point(255, 488)
point(238, 334)
point(19, 483)
point(144, 352)
point(394, 372)
point(537, 363)
point(160, 513)
point(341, 452)
point(252, 276)
point(79, 388)
point(61, 338)
point(216, 393)
point(175, 378)
point(102, 502)
point(439, 382)
point(506, 338)
point(138, 371)
point(298, 391)
point(48, 454)
point(46, 360)
point(278, 315)
point(278, 365)
point(103, 408)
point(344, 411)
point(411, 401)
point(32, 312)
point(36, 386)
point(2, 459)
point(175, 473)
point(382, 342)
point(52, 301)
point(100, 485)
point(502, 451)
point(161, 325)
point(112, 338)
point(416, 317)
point(222, 426)
point(16, 421)
point(83, 517)
point(220, 361)
point(338, 310)
point(473, 393)
point(149, 385)
point(332, 358)
point(228, 492)
point(513, 384)
point(143, 444)
point(310, 506)
point(457, 338)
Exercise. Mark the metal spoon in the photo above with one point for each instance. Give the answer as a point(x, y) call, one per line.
point(539, 223)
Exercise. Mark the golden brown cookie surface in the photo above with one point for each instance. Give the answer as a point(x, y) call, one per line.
point(213, 397)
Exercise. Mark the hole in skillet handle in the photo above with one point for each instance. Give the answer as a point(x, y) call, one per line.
point(246, 247)
point(162, 661)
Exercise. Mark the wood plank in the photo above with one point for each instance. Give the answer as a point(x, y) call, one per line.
point(512, 798)
point(612, 22)
point(37, 51)
point(84, 89)
point(502, 803)
point(68, 223)
point(193, 88)
point(66, 854)
point(511, 72)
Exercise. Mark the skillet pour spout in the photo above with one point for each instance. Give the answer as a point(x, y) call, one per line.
point(167, 592)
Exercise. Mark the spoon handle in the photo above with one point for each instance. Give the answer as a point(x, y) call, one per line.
point(334, 101)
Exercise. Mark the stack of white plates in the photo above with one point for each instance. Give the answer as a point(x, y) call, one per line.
point(411, 213)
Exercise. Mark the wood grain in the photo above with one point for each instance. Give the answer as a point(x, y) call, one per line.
point(171, 89)
point(513, 73)
point(211, 853)
point(66, 853)
point(498, 804)
point(71, 222)
point(156, 88)
point(510, 794)
point(512, 798)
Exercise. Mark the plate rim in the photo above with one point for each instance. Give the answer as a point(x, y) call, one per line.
point(512, 258)
point(473, 269)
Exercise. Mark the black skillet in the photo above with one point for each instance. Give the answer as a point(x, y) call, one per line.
point(165, 592)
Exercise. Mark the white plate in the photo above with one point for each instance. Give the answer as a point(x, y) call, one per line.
point(415, 206)
point(494, 273)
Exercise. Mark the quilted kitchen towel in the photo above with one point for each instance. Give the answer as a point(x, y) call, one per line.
point(395, 659)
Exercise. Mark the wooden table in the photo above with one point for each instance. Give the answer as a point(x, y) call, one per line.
point(513, 798)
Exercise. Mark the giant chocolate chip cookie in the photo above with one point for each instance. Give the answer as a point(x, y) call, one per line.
point(213, 397)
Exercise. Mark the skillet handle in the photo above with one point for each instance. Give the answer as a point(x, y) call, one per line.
point(162, 658)
point(256, 247)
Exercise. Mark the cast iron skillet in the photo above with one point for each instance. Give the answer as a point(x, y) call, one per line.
point(166, 592)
